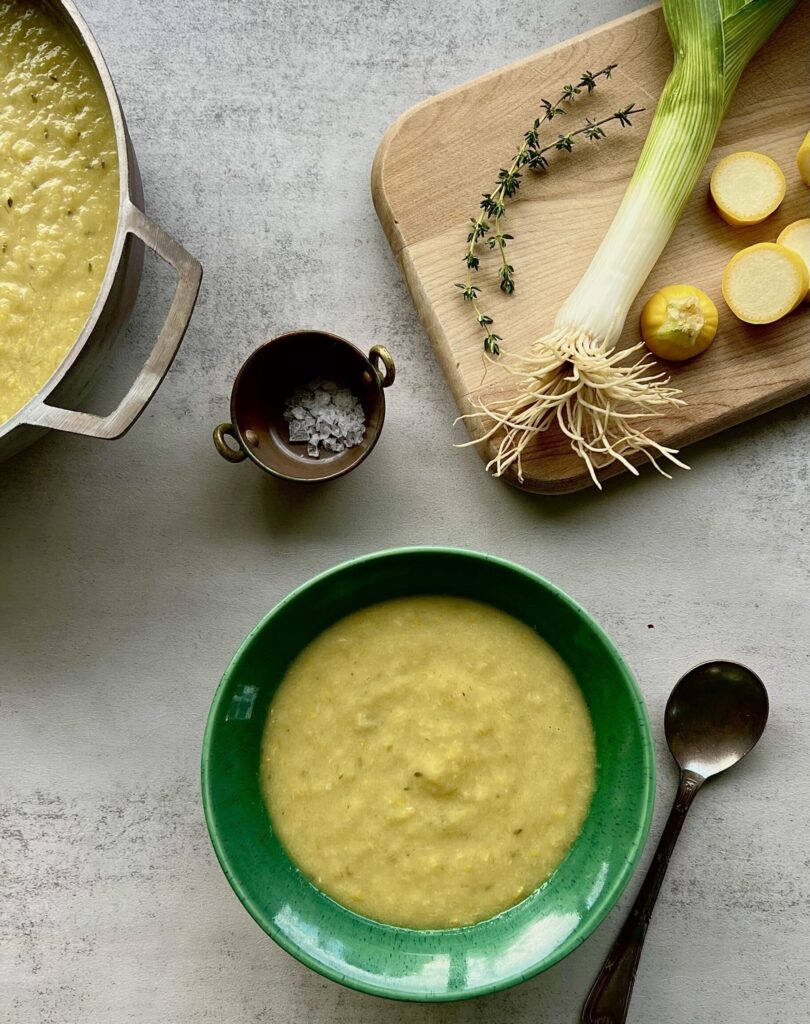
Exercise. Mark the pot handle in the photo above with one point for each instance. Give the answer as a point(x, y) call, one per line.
point(118, 422)
point(231, 454)
point(380, 354)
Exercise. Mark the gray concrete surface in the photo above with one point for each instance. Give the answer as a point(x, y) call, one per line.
point(131, 570)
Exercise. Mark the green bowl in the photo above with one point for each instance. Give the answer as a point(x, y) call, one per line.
point(404, 963)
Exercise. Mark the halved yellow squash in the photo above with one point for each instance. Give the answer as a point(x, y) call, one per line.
point(747, 187)
point(765, 282)
point(796, 236)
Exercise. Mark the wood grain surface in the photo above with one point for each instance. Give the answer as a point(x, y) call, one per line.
point(436, 160)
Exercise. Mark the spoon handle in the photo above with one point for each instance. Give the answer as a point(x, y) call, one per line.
point(609, 999)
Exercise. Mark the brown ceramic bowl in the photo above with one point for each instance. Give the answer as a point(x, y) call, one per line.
point(276, 370)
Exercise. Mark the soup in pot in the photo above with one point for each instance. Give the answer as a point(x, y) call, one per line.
point(59, 195)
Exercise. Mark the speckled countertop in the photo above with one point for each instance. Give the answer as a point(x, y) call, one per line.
point(130, 571)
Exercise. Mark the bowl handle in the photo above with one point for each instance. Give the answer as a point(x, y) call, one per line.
point(380, 354)
point(189, 275)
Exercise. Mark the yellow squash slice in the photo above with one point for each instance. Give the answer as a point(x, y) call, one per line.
point(796, 236)
point(803, 159)
point(765, 282)
point(747, 187)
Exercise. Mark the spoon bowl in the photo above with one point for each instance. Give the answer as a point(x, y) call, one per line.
point(714, 716)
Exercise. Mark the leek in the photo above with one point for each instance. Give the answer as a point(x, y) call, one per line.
point(574, 376)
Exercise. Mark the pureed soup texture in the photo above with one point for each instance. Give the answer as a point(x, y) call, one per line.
point(428, 761)
point(59, 191)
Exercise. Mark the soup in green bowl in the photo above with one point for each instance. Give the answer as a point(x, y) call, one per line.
point(349, 945)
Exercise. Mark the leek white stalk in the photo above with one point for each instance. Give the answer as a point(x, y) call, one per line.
point(574, 376)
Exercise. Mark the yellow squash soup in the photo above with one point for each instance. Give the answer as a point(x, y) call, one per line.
point(59, 189)
point(428, 761)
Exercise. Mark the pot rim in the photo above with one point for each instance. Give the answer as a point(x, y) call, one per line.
point(68, 10)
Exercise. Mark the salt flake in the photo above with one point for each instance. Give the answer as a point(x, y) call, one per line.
point(324, 416)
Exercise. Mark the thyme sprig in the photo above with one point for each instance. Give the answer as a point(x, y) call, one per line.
point(487, 228)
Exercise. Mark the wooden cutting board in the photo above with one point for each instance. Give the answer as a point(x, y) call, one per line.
point(437, 159)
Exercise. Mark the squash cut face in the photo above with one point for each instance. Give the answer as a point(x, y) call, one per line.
point(765, 282)
point(747, 187)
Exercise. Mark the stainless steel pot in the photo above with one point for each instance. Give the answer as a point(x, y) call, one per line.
point(115, 300)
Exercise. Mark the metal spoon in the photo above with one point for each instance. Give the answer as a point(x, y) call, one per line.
point(714, 716)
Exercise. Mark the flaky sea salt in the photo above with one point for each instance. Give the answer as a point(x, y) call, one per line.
point(324, 416)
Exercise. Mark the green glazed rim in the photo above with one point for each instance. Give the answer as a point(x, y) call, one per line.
point(233, 808)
